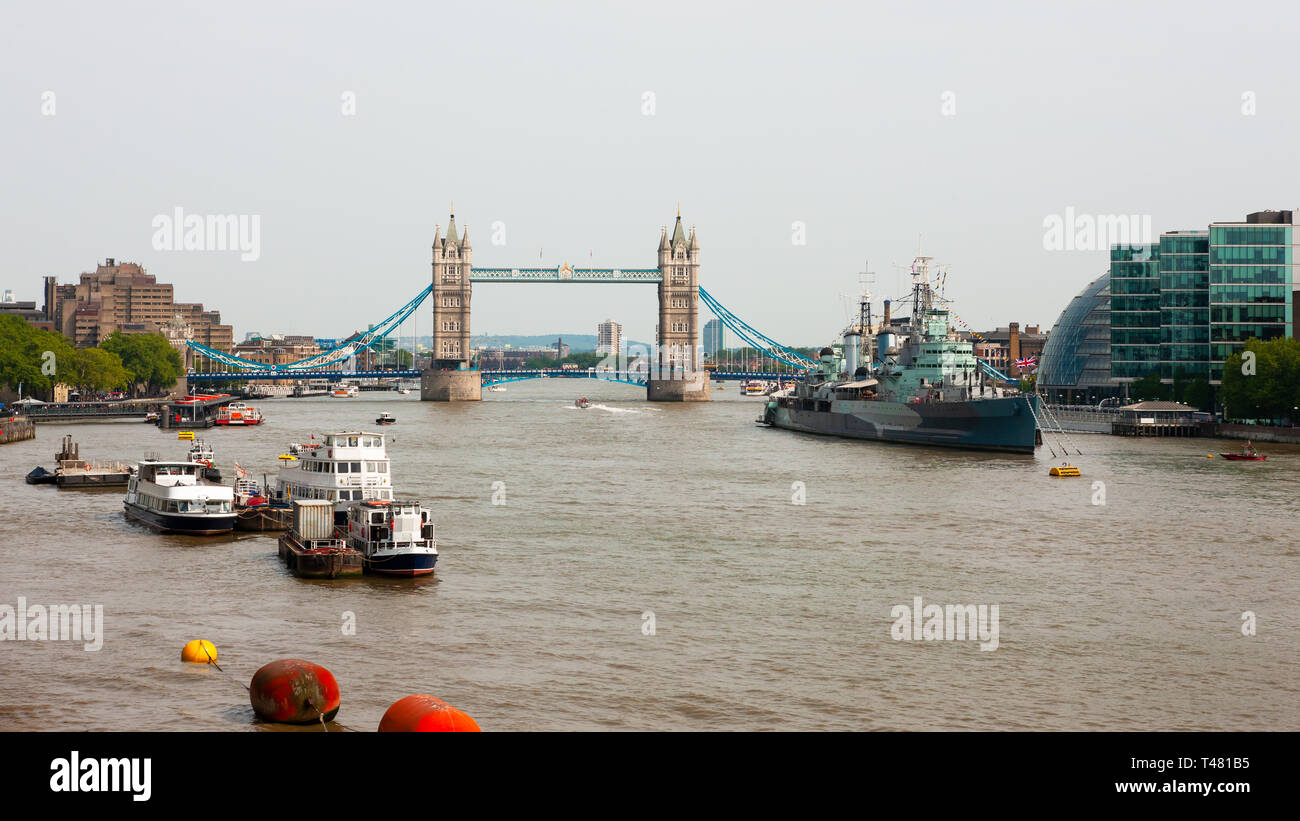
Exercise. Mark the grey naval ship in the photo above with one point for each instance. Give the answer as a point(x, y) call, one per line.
point(917, 384)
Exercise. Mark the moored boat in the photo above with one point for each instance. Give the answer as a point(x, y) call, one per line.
point(75, 472)
point(41, 476)
point(237, 414)
point(395, 538)
point(923, 386)
point(201, 452)
point(173, 497)
point(312, 548)
point(343, 468)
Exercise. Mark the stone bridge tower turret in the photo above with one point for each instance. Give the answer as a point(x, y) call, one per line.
point(678, 376)
point(449, 377)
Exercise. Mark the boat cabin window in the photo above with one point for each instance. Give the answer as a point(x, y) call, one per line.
point(356, 467)
point(341, 467)
point(352, 441)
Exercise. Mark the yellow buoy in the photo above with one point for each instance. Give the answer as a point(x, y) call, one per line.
point(1209, 456)
point(199, 651)
point(1064, 470)
point(185, 434)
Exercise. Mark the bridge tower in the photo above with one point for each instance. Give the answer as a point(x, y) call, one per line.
point(449, 378)
point(676, 374)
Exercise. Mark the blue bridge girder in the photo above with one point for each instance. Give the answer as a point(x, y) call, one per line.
point(333, 376)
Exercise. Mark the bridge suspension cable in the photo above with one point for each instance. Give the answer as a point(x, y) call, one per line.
point(338, 353)
point(755, 338)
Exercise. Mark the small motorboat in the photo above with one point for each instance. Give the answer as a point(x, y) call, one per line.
point(41, 476)
point(1064, 469)
point(583, 402)
point(152, 417)
point(1248, 454)
point(385, 418)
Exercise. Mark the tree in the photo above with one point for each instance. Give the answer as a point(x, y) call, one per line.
point(1199, 394)
point(94, 370)
point(1266, 389)
point(32, 357)
point(1148, 387)
point(149, 360)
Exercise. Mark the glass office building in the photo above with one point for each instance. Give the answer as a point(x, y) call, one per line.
point(1134, 310)
point(1181, 306)
point(1251, 283)
point(1184, 305)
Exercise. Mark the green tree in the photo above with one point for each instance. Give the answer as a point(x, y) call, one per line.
point(32, 357)
point(149, 360)
point(1199, 394)
point(1148, 388)
point(94, 370)
point(1266, 388)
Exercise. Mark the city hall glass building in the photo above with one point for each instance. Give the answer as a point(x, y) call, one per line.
point(1075, 364)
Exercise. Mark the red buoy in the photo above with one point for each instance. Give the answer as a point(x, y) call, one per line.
point(294, 691)
point(425, 714)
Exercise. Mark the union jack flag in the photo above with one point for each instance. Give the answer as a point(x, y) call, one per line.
point(1026, 364)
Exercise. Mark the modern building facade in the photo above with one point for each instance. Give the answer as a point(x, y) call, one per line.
point(1181, 306)
point(1184, 305)
point(1076, 362)
point(714, 337)
point(1134, 310)
point(609, 337)
point(1252, 282)
point(124, 297)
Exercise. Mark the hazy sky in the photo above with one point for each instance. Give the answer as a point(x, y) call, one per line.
point(871, 124)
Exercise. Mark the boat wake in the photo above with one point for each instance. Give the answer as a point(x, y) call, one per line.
point(598, 406)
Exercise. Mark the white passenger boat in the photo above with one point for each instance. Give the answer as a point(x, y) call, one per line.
point(173, 497)
point(394, 538)
point(345, 468)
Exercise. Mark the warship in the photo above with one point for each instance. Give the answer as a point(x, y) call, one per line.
point(913, 382)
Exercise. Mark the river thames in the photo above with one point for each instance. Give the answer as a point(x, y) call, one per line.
point(639, 566)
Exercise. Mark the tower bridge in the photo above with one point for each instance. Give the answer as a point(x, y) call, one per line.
point(676, 374)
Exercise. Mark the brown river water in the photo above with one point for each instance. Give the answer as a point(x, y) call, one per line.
point(767, 615)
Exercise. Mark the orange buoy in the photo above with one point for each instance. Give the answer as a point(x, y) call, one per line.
point(199, 651)
point(426, 714)
point(294, 691)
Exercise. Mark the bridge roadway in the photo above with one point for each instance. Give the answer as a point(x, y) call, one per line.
point(490, 377)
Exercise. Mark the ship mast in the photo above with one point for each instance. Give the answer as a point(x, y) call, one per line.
point(922, 296)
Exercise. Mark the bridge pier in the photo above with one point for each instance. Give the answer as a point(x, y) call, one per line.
point(692, 389)
point(451, 386)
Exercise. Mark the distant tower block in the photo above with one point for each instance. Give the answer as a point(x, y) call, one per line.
point(448, 378)
point(676, 375)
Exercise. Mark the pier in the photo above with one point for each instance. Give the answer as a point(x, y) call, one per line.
point(15, 429)
point(91, 411)
point(1160, 419)
point(193, 412)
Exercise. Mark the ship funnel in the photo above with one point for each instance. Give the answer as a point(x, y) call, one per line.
point(852, 351)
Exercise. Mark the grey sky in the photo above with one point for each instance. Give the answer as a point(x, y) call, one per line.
point(531, 114)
